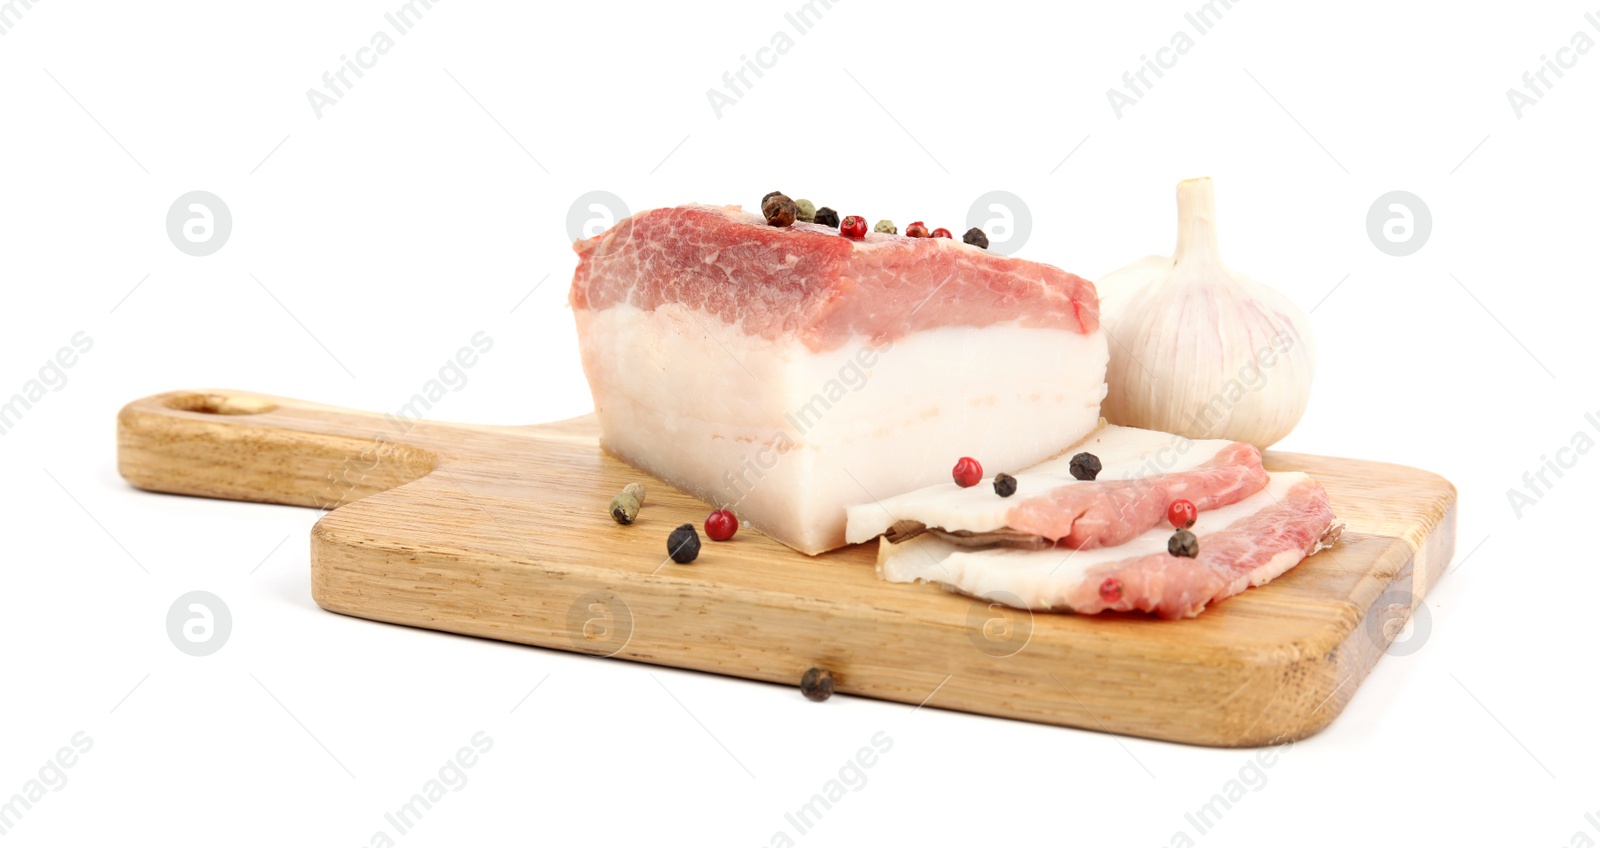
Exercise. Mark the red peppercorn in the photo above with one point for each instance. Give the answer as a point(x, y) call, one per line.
point(853, 227)
point(721, 525)
point(942, 233)
point(967, 472)
point(1111, 590)
point(917, 230)
point(1182, 514)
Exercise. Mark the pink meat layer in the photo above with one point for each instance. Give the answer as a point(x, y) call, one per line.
point(1107, 513)
point(1249, 552)
point(809, 282)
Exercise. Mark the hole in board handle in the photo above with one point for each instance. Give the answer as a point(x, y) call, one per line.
point(221, 404)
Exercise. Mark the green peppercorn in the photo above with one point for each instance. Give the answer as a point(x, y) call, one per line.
point(827, 217)
point(1005, 485)
point(976, 238)
point(1183, 544)
point(817, 684)
point(624, 508)
point(886, 226)
point(625, 505)
point(779, 211)
point(1085, 466)
point(808, 211)
point(683, 544)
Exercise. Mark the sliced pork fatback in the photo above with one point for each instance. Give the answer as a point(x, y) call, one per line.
point(788, 372)
point(1109, 512)
point(1241, 545)
point(1142, 473)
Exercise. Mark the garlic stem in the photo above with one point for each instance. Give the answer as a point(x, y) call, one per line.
point(1197, 221)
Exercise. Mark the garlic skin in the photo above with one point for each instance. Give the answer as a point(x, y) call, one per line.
point(1199, 350)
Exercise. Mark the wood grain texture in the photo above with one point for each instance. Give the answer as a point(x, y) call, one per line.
point(503, 532)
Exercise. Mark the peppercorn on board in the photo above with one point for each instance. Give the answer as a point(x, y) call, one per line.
point(504, 532)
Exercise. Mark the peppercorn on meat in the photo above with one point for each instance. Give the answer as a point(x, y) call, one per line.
point(788, 372)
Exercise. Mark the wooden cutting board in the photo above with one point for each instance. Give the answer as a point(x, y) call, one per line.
point(503, 532)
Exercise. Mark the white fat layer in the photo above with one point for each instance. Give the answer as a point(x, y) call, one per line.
point(1125, 453)
point(789, 437)
point(1042, 579)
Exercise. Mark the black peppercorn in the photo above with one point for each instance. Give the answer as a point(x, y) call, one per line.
point(1005, 485)
point(817, 684)
point(976, 237)
point(1183, 544)
point(683, 544)
point(1085, 466)
point(827, 217)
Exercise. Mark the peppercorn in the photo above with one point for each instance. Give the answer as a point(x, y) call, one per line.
point(1111, 590)
point(625, 504)
point(1005, 485)
point(808, 211)
point(1181, 513)
point(885, 226)
point(721, 525)
point(683, 544)
point(827, 217)
point(942, 233)
point(816, 684)
point(779, 210)
point(771, 194)
point(967, 472)
point(976, 238)
point(917, 230)
point(1183, 544)
point(853, 227)
point(1085, 466)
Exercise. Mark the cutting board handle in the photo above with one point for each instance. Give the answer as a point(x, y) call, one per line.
point(252, 447)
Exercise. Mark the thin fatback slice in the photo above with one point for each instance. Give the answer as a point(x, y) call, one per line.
point(1142, 472)
point(1241, 545)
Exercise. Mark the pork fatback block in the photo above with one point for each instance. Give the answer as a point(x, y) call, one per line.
point(789, 373)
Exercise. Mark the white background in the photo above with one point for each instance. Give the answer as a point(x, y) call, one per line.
point(431, 201)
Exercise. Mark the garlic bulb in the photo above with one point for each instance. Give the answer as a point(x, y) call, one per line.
point(1199, 350)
